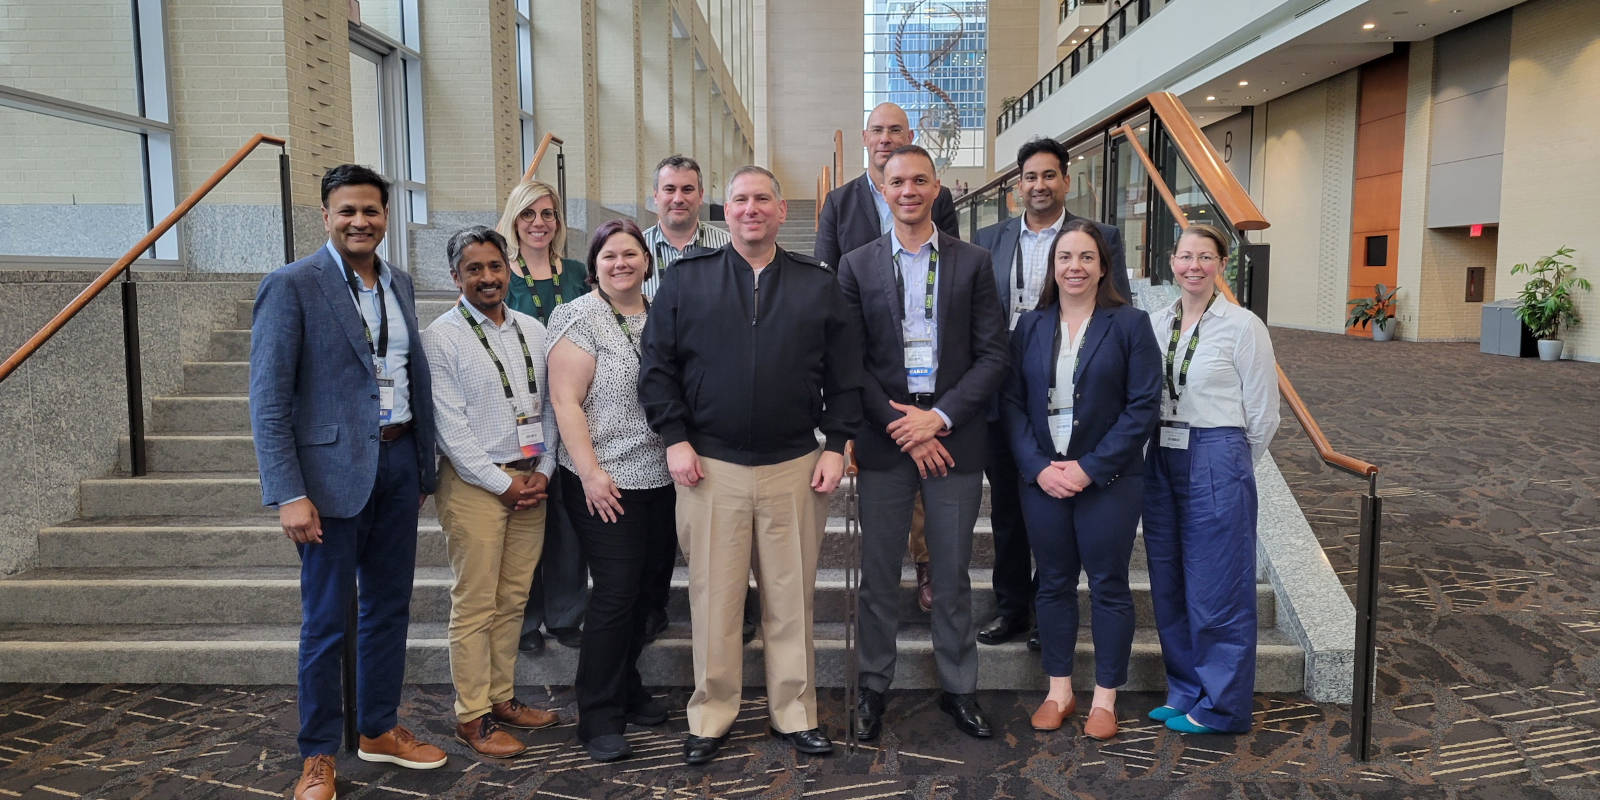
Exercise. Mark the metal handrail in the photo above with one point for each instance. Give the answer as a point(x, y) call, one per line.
point(538, 155)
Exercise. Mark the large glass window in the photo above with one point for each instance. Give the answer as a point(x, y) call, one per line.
point(386, 113)
point(524, 34)
point(929, 57)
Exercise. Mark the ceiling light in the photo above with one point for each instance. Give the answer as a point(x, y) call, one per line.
point(1074, 41)
point(1422, 24)
point(1369, 26)
point(1202, 116)
point(1142, 128)
point(1244, 83)
point(1211, 97)
point(1080, 158)
point(1391, 38)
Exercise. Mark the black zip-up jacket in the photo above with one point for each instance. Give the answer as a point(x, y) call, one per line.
point(747, 372)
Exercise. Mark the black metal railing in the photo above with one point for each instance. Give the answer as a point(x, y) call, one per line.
point(1069, 6)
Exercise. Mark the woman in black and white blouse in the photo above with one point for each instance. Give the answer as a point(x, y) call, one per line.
point(618, 493)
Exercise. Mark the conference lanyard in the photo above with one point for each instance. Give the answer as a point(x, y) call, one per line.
point(1055, 356)
point(1176, 388)
point(527, 358)
point(927, 297)
point(381, 350)
point(527, 277)
point(622, 321)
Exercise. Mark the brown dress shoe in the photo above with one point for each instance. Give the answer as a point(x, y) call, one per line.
point(513, 714)
point(1051, 713)
point(487, 738)
point(316, 780)
point(399, 747)
point(1101, 724)
point(924, 588)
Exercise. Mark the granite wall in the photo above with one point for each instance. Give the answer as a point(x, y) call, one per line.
point(61, 414)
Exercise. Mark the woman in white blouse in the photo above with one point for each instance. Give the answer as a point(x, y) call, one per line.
point(1219, 411)
point(615, 483)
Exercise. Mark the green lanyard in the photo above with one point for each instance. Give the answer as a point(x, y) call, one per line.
point(927, 298)
point(622, 321)
point(527, 277)
point(1188, 356)
point(381, 349)
point(527, 358)
point(1055, 355)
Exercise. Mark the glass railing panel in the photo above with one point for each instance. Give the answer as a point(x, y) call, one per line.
point(1130, 195)
point(1084, 190)
point(1193, 201)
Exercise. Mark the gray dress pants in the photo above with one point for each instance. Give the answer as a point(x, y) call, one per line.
point(950, 504)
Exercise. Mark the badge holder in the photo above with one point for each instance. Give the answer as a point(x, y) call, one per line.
point(1061, 421)
point(530, 435)
point(385, 396)
point(1174, 433)
point(919, 357)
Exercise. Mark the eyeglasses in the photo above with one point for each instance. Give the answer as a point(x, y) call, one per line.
point(1206, 259)
point(528, 215)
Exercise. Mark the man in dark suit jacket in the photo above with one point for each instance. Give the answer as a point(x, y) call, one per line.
point(1020, 247)
point(935, 354)
point(856, 213)
point(341, 408)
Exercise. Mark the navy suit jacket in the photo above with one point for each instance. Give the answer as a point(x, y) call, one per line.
point(1116, 400)
point(313, 397)
point(849, 219)
point(972, 348)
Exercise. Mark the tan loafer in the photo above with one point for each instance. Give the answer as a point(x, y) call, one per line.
point(486, 738)
point(399, 747)
point(316, 780)
point(513, 714)
point(1101, 724)
point(1051, 713)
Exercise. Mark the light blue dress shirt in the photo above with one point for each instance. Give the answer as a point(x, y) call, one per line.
point(913, 268)
point(885, 218)
point(397, 362)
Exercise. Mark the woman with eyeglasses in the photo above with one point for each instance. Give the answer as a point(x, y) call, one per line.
point(1219, 411)
point(541, 278)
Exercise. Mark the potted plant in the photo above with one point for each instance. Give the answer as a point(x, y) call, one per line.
point(1377, 310)
point(1546, 302)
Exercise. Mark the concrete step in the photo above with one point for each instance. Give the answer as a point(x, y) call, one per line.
point(240, 655)
point(195, 413)
point(172, 494)
point(218, 452)
point(216, 377)
point(231, 345)
point(242, 313)
point(271, 596)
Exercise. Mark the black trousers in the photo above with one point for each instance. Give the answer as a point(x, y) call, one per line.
point(1014, 582)
point(623, 556)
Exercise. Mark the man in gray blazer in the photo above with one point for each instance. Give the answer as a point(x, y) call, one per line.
point(935, 352)
point(342, 414)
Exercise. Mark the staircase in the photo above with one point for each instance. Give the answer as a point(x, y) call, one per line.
point(798, 234)
point(181, 576)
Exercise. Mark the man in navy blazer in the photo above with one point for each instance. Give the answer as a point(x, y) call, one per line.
point(935, 353)
point(342, 414)
point(1021, 266)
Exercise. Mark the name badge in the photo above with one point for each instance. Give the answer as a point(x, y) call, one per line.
point(919, 357)
point(1061, 428)
point(1174, 434)
point(1016, 314)
point(385, 400)
point(530, 435)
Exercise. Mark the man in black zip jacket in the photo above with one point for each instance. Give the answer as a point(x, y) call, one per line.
point(748, 351)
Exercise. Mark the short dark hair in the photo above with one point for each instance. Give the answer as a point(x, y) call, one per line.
point(1106, 294)
point(1043, 144)
point(353, 175)
point(476, 234)
point(606, 231)
point(911, 149)
point(677, 162)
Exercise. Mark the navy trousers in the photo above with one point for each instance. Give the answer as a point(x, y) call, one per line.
point(1091, 532)
point(556, 597)
point(1014, 581)
point(378, 549)
point(1200, 536)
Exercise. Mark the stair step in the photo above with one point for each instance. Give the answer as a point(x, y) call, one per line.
point(241, 655)
point(216, 377)
point(172, 493)
point(271, 596)
point(242, 310)
point(219, 452)
point(230, 345)
point(196, 413)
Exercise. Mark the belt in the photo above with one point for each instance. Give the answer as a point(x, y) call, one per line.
point(389, 433)
point(923, 400)
point(521, 465)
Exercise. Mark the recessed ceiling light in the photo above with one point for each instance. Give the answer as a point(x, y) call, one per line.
point(1457, 11)
point(1142, 128)
point(1422, 24)
point(1244, 83)
point(1202, 116)
point(1211, 97)
point(1080, 158)
point(1369, 26)
point(1391, 38)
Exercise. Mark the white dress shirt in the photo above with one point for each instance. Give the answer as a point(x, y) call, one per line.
point(477, 424)
point(1034, 249)
point(1233, 379)
point(912, 270)
point(396, 364)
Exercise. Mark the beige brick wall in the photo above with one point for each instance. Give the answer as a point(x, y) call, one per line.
point(1447, 254)
point(1552, 113)
point(470, 103)
point(316, 36)
point(814, 63)
point(1013, 61)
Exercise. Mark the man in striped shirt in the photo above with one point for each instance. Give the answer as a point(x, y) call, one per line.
point(678, 191)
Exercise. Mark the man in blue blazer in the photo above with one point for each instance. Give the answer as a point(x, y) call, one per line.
point(342, 414)
point(1020, 247)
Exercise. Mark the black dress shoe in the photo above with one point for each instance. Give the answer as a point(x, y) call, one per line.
point(1033, 641)
point(608, 747)
point(869, 715)
point(813, 742)
point(532, 642)
point(651, 712)
point(654, 625)
point(963, 708)
point(568, 637)
point(700, 749)
point(1003, 629)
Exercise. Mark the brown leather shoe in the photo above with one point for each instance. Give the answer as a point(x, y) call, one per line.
point(924, 588)
point(316, 780)
point(513, 714)
point(487, 738)
point(1101, 724)
point(399, 747)
point(1051, 714)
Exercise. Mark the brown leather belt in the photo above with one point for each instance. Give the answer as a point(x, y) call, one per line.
point(389, 433)
point(522, 465)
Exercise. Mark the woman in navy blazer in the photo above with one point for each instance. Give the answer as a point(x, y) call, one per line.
point(1081, 402)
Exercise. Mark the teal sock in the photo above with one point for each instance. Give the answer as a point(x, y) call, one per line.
point(1181, 724)
point(1164, 713)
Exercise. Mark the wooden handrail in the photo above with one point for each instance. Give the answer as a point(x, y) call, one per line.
point(538, 155)
point(1206, 163)
point(838, 159)
point(86, 296)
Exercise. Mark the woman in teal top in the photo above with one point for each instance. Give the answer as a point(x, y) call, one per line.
point(536, 236)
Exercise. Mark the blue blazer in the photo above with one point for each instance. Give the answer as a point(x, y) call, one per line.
point(313, 397)
point(1116, 400)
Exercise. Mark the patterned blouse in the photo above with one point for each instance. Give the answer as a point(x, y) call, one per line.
point(627, 449)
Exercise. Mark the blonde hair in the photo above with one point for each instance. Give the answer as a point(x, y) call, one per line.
point(1211, 232)
point(526, 194)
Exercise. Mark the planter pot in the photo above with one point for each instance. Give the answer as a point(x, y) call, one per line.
point(1550, 349)
point(1385, 332)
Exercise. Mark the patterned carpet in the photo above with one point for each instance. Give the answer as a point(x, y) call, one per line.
point(1487, 670)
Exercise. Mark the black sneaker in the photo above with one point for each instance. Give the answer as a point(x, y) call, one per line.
point(652, 712)
point(609, 747)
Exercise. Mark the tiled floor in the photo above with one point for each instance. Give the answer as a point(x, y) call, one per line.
point(1487, 671)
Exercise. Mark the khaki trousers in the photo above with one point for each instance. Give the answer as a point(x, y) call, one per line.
point(773, 509)
point(493, 551)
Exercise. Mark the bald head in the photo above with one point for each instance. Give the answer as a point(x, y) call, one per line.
point(887, 128)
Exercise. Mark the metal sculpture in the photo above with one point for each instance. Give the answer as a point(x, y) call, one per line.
point(939, 127)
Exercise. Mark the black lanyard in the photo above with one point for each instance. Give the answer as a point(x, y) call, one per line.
point(1055, 351)
point(622, 321)
point(527, 358)
point(1188, 356)
point(527, 277)
point(927, 298)
point(382, 348)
